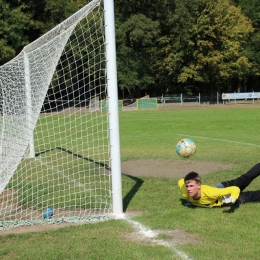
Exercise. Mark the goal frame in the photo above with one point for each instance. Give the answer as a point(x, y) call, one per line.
point(112, 93)
point(112, 88)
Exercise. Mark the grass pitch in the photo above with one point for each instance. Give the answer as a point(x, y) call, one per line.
point(227, 135)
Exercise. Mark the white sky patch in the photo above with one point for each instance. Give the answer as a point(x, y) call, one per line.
point(148, 233)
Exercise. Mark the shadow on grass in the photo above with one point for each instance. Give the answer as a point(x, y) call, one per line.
point(186, 203)
point(232, 208)
point(74, 154)
point(228, 209)
point(129, 196)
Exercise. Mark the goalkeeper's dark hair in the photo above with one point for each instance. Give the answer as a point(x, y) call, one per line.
point(192, 176)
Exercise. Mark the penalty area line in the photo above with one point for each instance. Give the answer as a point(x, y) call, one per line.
point(221, 140)
point(150, 234)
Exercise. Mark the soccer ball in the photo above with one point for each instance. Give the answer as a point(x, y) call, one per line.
point(186, 148)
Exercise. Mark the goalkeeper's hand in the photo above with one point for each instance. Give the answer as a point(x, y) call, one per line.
point(228, 201)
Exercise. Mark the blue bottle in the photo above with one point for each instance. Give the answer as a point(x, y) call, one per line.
point(47, 213)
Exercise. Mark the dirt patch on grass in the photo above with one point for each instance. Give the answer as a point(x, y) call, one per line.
point(177, 169)
point(167, 238)
point(164, 237)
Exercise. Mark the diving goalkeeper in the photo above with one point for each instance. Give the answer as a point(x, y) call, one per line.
point(225, 193)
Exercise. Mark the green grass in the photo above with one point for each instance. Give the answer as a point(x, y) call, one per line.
point(63, 175)
point(221, 135)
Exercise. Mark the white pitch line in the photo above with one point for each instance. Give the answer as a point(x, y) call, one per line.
point(221, 140)
point(148, 233)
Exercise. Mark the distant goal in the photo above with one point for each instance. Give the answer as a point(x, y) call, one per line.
point(132, 104)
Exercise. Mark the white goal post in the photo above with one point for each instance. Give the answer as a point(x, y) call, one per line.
point(59, 153)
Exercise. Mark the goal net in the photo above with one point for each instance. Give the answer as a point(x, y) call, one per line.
point(55, 141)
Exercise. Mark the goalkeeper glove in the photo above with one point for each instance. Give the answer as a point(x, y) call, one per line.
point(227, 201)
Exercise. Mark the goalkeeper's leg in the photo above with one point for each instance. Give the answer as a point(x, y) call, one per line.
point(244, 180)
point(249, 196)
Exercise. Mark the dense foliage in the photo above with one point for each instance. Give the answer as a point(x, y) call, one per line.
point(163, 46)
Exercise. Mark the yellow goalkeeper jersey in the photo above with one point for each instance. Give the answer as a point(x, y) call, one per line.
point(210, 196)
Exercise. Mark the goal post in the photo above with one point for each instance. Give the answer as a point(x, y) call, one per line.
point(57, 149)
point(113, 106)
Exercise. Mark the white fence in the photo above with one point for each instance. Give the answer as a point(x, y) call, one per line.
point(245, 96)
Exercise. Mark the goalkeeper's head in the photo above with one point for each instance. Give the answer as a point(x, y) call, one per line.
point(192, 182)
point(192, 176)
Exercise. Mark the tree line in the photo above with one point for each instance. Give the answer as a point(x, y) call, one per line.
point(163, 46)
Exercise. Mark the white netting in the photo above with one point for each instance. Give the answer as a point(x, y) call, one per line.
point(46, 104)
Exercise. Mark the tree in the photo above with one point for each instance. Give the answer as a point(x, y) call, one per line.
point(210, 54)
point(173, 44)
point(219, 37)
point(252, 50)
point(13, 24)
point(142, 61)
point(45, 15)
point(135, 39)
point(23, 21)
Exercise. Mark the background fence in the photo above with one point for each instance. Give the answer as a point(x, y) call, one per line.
point(206, 99)
point(161, 101)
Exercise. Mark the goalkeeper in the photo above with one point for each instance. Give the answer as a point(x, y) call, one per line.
point(225, 193)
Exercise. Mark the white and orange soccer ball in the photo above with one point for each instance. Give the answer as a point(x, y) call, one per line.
point(186, 148)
